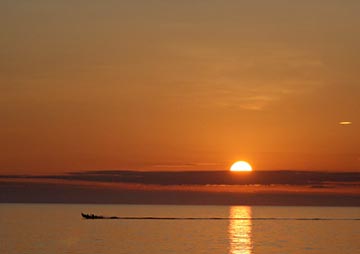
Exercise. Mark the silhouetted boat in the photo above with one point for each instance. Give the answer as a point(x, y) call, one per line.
point(91, 216)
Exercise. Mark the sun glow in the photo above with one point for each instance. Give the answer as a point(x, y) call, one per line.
point(241, 166)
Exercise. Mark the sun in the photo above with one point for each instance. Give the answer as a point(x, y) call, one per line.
point(241, 166)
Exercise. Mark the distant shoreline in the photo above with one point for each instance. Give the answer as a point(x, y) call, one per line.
point(315, 178)
point(269, 188)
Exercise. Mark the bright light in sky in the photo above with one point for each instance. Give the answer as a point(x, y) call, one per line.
point(345, 123)
point(241, 166)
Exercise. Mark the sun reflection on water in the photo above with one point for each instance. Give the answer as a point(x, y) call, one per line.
point(240, 230)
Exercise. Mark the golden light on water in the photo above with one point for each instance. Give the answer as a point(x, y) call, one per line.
point(240, 230)
point(241, 166)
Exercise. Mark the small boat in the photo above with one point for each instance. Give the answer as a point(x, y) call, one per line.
point(91, 216)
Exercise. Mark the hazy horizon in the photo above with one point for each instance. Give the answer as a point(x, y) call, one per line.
point(185, 187)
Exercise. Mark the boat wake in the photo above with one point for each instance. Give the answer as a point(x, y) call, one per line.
point(93, 216)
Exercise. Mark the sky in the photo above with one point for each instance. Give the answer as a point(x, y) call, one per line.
point(179, 85)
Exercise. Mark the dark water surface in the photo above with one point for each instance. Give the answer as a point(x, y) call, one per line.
point(45, 228)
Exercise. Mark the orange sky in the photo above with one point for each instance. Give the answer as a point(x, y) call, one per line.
point(179, 85)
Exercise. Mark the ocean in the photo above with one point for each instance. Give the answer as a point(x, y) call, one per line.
point(155, 229)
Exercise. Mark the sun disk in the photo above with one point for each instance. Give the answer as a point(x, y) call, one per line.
point(241, 166)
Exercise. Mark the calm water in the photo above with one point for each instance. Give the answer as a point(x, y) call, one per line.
point(38, 228)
